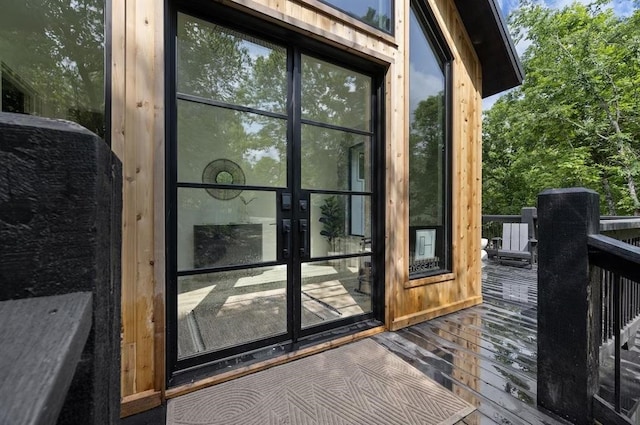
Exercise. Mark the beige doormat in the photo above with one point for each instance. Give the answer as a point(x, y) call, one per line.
point(360, 383)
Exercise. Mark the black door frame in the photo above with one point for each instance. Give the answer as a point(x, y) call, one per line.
point(184, 370)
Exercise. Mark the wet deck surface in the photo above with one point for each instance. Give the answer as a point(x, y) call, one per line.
point(487, 354)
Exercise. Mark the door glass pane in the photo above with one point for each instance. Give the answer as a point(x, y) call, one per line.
point(340, 224)
point(335, 160)
point(335, 95)
point(52, 60)
point(257, 145)
point(217, 63)
point(335, 289)
point(221, 310)
point(238, 227)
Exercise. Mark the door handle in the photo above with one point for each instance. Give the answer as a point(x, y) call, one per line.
point(304, 230)
point(286, 234)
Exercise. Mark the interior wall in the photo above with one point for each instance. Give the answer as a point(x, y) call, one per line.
point(138, 139)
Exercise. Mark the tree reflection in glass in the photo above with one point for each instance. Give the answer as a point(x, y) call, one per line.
point(52, 60)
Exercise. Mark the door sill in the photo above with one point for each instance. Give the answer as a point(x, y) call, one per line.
point(219, 372)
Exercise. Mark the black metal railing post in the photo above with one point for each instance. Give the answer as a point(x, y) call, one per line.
point(617, 320)
point(568, 304)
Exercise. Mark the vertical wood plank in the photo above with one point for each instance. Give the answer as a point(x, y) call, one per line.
point(143, 137)
point(158, 262)
point(129, 258)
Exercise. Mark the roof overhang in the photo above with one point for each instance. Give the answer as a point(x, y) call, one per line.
point(501, 68)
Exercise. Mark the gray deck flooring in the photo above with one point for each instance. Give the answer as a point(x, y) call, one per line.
point(487, 354)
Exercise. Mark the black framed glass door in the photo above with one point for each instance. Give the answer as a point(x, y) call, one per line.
point(271, 192)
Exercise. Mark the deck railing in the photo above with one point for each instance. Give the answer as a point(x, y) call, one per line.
point(622, 262)
point(628, 231)
point(587, 293)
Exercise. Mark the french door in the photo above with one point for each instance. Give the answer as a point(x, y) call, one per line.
point(272, 194)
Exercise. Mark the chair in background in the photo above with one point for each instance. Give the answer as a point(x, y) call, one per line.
point(515, 246)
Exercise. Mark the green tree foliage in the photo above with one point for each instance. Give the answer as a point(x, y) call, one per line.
point(332, 219)
point(426, 144)
point(575, 121)
point(56, 50)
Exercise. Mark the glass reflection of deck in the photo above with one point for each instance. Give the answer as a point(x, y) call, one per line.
point(220, 310)
point(487, 354)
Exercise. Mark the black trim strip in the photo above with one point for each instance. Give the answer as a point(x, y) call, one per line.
point(108, 56)
point(211, 102)
point(231, 267)
point(171, 193)
point(337, 192)
point(189, 185)
point(335, 127)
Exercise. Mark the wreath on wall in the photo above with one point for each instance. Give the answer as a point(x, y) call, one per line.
point(223, 171)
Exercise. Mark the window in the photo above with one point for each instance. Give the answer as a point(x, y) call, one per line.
point(429, 163)
point(52, 60)
point(376, 13)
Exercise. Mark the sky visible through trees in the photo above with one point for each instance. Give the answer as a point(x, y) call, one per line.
point(575, 121)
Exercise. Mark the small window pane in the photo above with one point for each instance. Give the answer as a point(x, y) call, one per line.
point(427, 167)
point(335, 289)
point(224, 309)
point(220, 64)
point(335, 95)
point(257, 144)
point(233, 229)
point(340, 224)
point(52, 60)
point(333, 160)
point(376, 13)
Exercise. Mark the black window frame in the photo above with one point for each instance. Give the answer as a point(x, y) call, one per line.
point(438, 45)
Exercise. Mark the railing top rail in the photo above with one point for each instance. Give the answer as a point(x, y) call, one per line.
point(611, 254)
point(607, 225)
point(42, 341)
point(501, 218)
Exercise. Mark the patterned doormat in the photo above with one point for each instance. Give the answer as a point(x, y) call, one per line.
point(360, 383)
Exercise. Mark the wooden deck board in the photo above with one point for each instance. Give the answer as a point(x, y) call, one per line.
point(487, 354)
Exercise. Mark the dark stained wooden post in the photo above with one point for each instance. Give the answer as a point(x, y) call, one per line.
point(60, 232)
point(568, 305)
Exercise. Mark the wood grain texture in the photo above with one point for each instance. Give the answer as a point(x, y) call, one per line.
point(140, 402)
point(41, 342)
point(138, 126)
point(426, 298)
point(138, 129)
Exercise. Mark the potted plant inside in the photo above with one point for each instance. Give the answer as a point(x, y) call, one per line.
point(332, 219)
